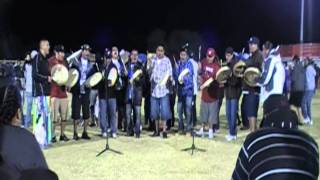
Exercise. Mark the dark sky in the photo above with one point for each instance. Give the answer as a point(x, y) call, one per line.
point(128, 23)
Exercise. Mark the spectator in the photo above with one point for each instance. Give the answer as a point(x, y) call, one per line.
point(297, 86)
point(310, 85)
point(13, 139)
point(278, 150)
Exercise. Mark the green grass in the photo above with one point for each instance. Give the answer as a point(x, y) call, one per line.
point(153, 158)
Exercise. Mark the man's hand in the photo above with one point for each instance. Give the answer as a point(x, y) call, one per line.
point(49, 79)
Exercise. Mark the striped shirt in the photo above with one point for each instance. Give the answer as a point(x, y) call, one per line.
point(274, 153)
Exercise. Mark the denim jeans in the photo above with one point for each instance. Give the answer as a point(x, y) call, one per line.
point(185, 107)
point(107, 115)
point(28, 108)
point(160, 108)
point(93, 99)
point(306, 104)
point(231, 112)
point(103, 118)
point(137, 116)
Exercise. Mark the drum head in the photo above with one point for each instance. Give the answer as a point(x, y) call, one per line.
point(112, 76)
point(59, 74)
point(239, 68)
point(251, 76)
point(73, 78)
point(223, 74)
point(94, 79)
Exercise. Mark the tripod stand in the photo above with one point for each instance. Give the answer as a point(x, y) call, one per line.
point(107, 148)
point(193, 146)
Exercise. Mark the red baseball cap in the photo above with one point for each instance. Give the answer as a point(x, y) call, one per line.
point(211, 52)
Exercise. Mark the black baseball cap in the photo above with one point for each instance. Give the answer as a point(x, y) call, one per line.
point(229, 50)
point(107, 54)
point(59, 48)
point(86, 47)
point(254, 40)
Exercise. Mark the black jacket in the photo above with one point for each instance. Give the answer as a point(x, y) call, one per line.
point(137, 86)
point(255, 60)
point(77, 65)
point(40, 74)
point(233, 85)
point(110, 92)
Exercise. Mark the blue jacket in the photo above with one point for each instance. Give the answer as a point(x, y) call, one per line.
point(186, 88)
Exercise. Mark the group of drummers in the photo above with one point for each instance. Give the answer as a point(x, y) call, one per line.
point(121, 82)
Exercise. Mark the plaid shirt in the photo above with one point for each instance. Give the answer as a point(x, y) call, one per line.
point(185, 89)
point(160, 68)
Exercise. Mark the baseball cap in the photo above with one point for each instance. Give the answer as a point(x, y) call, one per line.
point(59, 48)
point(107, 54)
point(211, 52)
point(229, 50)
point(254, 40)
point(86, 47)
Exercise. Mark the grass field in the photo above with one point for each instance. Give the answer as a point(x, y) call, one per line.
point(153, 158)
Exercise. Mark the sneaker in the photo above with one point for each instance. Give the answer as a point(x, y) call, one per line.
point(137, 135)
point(104, 134)
point(64, 138)
point(54, 140)
point(230, 137)
point(211, 134)
point(114, 135)
point(92, 124)
point(75, 137)
point(311, 122)
point(306, 121)
point(164, 135)
point(85, 136)
point(155, 134)
point(244, 128)
point(200, 132)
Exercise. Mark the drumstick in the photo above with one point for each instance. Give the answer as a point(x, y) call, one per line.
point(175, 62)
point(206, 84)
point(135, 75)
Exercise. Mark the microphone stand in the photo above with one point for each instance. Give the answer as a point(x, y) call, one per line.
point(107, 148)
point(193, 146)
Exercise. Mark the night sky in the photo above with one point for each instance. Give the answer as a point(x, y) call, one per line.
point(128, 24)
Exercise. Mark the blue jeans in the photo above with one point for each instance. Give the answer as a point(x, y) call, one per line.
point(160, 108)
point(306, 104)
point(103, 115)
point(28, 108)
point(107, 115)
point(231, 112)
point(185, 107)
point(137, 115)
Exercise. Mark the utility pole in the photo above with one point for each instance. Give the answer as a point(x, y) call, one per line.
point(301, 27)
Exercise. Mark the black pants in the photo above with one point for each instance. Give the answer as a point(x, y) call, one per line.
point(121, 108)
point(217, 126)
point(194, 110)
point(244, 118)
point(170, 122)
point(147, 106)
